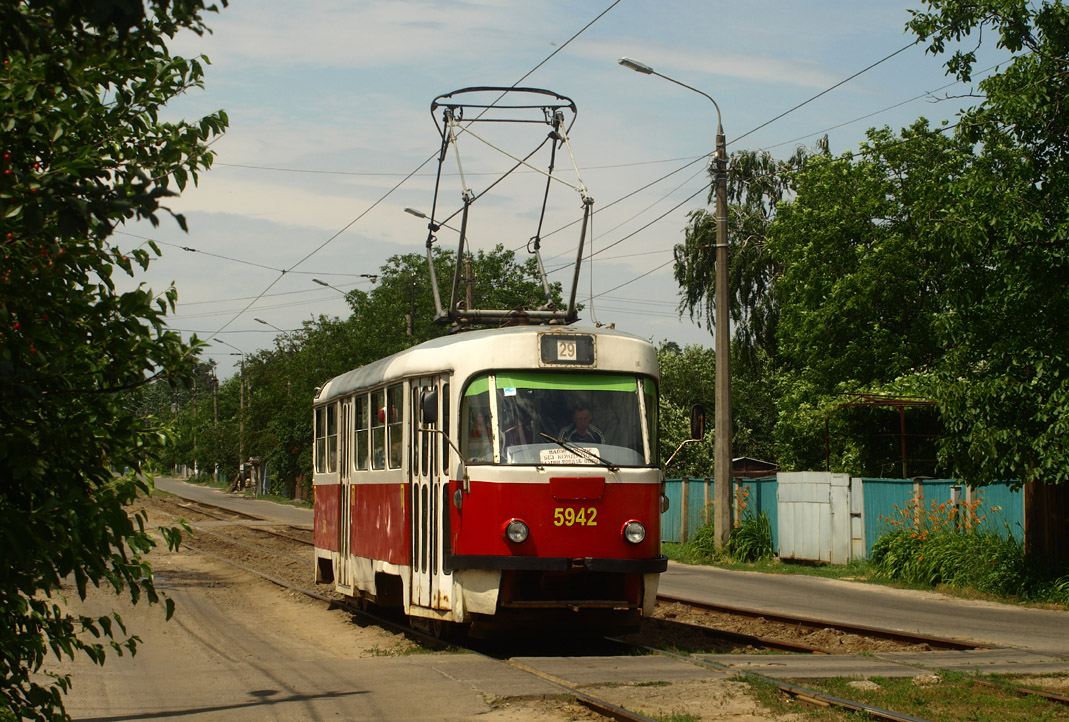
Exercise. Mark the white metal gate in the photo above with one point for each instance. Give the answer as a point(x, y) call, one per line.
point(814, 516)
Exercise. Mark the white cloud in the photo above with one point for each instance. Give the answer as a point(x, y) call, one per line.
point(701, 62)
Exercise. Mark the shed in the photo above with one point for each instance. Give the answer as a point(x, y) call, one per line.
point(745, 467)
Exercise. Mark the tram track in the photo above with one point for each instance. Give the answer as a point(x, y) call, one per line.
point(602, 707)
point(595, 704)
point(598, 705)
point(222, 514)
point(789, 633)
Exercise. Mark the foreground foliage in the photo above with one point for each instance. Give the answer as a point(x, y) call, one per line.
point(83, 149)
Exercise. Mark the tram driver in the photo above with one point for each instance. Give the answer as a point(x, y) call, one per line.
point(581, 430)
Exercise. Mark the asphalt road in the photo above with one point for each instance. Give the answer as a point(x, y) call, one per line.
point(875, 606)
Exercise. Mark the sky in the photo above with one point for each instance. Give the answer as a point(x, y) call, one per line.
point(329, 108)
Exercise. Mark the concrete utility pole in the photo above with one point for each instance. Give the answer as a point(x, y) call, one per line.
point(722, 465)
point(241, 402)
point(215, 424)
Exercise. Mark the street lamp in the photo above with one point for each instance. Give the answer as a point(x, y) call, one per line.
point(420, 214)
point(327, 285)
point(265, 323)
point(722, 466)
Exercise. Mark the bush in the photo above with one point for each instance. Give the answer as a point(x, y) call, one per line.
point(751, 539)
point(703, 546)
point(946, 545)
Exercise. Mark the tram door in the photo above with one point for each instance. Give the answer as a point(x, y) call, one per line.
point(345, 500)
point(429, 488)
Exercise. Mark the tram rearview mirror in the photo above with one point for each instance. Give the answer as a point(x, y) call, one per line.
point(429, 401)
point(697, 421)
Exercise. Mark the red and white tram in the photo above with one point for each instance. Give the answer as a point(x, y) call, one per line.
point(495, 476)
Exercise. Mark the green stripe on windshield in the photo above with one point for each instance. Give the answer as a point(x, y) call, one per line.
point(479, 386)
point(571, 382)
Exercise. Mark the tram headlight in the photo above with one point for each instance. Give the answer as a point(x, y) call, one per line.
point(516, 531)
point(634, 531)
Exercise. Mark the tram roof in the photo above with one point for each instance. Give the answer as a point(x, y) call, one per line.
point(468, 352)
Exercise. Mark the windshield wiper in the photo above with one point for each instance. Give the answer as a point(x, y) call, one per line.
point(579, 451)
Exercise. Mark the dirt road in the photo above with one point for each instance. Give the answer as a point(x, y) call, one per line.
point(243, 649)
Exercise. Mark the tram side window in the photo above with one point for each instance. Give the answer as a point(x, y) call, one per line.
point(326, 431)
point(360, 427)
point(395, 401)
point(445, 428)
point(321, 440)
point(421, 447)
point(378, 430)
point(332, 438)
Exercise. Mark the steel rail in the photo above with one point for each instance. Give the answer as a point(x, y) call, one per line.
point(751, 639)
point(878, 632)
point(1023, 691)
point(201, 506)
point(804, 694)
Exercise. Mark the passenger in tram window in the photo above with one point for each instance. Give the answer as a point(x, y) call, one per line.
point(479, 444)
point(479, 429)
point(581, 430)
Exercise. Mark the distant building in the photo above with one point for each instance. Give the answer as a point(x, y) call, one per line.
point(743, 467)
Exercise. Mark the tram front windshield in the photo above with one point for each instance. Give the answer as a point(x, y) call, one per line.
point(560, 418)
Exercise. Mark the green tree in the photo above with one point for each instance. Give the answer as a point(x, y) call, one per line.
point(403, 291)
point(757, 182)
point(1003, 386)
point(687, 378)
point(396, 313)
point(860, 287)
point(83, 150)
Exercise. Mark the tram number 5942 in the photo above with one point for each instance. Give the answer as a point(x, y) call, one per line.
point(571, 516)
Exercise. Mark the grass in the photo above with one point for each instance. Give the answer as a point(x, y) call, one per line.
point(952, 697)
point(945, 697)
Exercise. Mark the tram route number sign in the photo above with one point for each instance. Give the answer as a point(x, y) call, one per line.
point(559, 349)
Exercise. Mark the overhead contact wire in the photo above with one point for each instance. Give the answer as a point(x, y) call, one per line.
point(403, 180)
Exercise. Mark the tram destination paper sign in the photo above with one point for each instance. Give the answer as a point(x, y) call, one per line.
point(564, 456)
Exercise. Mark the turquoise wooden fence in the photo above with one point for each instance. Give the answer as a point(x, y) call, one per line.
point(695, 496)
point(998, 507)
